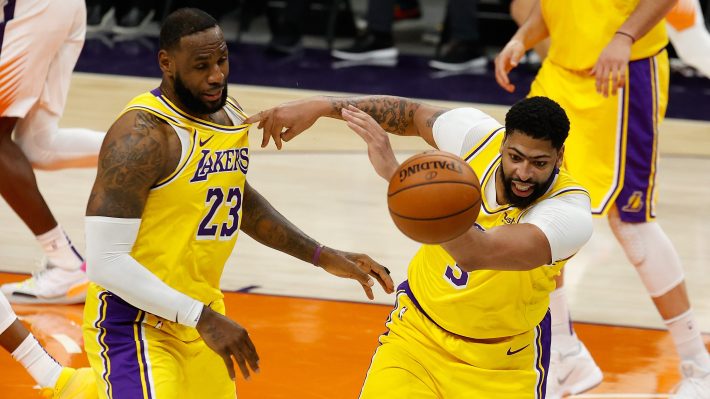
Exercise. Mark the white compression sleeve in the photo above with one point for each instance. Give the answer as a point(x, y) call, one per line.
point(109, 242)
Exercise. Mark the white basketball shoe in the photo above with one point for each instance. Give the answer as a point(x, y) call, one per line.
point(572, 373)
point(695, 383)
point(51, 285)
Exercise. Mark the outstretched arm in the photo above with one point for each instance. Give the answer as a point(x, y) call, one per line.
point(266, 225)
point(397, 115)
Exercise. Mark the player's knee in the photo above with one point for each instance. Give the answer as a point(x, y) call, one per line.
point(628, 236)
point(38, 152)
point(651, 252)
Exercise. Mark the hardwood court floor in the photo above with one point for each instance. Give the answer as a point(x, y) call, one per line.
point(322, 181)
point(315, 348)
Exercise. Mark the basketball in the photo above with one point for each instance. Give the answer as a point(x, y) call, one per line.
point(434, 197)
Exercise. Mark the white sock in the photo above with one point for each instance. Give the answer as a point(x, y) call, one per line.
point(42, 367)
point(688, 340)
point(59, 250)
point(564, 339)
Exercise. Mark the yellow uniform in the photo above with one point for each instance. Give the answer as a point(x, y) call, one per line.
point(481, 334)
point(188, 229)
point(612, 145)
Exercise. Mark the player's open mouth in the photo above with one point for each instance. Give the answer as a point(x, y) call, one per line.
point(522, 189)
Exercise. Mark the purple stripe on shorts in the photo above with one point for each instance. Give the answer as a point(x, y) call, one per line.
point(404, 286)
point(9, 13)
point(640, 143)
point(125, 374)
point(544, 329)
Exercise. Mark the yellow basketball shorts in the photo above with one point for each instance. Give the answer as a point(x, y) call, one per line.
point(137, 355)
point(417, 359)
point(613, 142)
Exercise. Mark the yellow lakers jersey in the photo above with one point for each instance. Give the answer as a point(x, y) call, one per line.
point(486, 303)
point(191, 219)
point(579, 31)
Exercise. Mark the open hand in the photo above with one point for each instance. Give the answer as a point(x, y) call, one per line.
point(506, 60)
point(379, 148)
point(294, 116)
point(229, 340)
point(610, 69)
point(358, 267)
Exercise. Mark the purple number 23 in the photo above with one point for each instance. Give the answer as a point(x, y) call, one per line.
point(207, 229)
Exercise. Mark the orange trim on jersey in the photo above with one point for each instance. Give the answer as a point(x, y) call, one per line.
point(9, 81)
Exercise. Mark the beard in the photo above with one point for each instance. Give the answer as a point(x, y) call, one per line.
point(193, 102)
point(538, 189)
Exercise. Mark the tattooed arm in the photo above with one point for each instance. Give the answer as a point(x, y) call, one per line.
point(397, 115)
point(140, 150)
point(136, 153)
point(266, 225)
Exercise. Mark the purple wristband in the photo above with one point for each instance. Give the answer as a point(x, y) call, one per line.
point(316, 255)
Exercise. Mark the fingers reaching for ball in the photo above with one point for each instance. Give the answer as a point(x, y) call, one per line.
point(379, 148)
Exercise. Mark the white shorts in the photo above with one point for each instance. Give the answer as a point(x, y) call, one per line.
point(40, 42)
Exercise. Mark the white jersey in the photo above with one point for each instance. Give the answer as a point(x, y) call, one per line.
point(40, 41)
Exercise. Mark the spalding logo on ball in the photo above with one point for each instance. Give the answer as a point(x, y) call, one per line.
point(434, 197)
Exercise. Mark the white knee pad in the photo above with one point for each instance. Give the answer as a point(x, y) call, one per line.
point(7, 315)
point(648, 248)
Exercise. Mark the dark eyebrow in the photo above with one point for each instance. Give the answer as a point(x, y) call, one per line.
point(525, 156)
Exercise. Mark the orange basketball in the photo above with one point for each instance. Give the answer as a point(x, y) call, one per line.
point(434, 197)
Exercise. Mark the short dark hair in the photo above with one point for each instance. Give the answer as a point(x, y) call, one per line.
point(183, 22)
point(540, 118)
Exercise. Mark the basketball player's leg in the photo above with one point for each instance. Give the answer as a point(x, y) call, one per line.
point(38, 141)
point(129, 357)
point(205, 374)
point(394, 374)
point(25, 349)
point(689, 35)
point(569, 355)
point(400, 366)
point(38, 134)
point(632, 220)
point(18, 188)
point(572, 368)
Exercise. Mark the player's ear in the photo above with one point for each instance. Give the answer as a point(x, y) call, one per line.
point(560, 156)
point(166, 63)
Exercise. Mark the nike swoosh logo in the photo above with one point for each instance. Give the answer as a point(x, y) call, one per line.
point(514, 352)
point(202, 143)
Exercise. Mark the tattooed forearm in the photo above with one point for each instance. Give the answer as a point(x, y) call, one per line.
point(394, 114)
point(265, 224)
point(131, 161)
